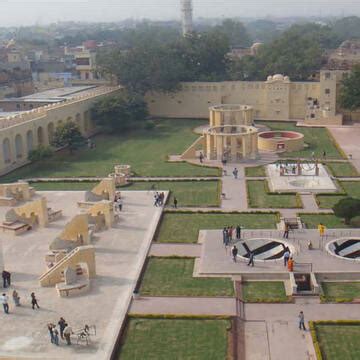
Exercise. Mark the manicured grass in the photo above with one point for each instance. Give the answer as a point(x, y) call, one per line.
point(264, 291)
point(339, 291)
point(255, 171)
point(329, 220)
point(145, 150)
point(184, 227)
point(339, 341)
point(258, 197)
point(342, 169)
point(165, 339)
point(318, 139)
point(352, 189)
point(188, 193)
point(173, 277)
point(63, 186)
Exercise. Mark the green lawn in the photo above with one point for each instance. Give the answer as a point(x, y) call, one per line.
point(258, 197)
point(145, 150)
point(184, 227)
point(264, 291)
point(63, 186)
point(352, 189)
point(255, 171)
point(173, 277)
point(170, 339)
point(339, 341)
point(318, 139)
point(342, 169)
point(329, 220)
point(188, 193)
point(334, 291)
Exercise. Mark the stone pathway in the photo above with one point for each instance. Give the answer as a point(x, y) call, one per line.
point(163, 305)
point(272, 330)
point(309, 203)
point(183, 250)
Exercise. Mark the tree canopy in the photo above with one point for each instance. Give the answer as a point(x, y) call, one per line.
point(350, 90)
point(347, 209)
point(236, 33)
point(69, 135)
point(117, 113)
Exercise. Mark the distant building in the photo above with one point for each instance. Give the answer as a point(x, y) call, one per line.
point(187, 17)
point(345, 56)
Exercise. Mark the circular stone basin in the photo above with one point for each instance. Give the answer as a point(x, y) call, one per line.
point(265, 249)
point(280, 141)
point(345, 248)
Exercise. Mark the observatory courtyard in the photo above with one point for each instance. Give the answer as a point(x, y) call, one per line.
point(139, 259)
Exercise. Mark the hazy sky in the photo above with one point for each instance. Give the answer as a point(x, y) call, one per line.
point(24, 12)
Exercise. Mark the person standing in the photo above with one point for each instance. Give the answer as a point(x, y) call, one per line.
point(56, 335)
point(286, 256)
point(34, 301)
point(234, 252)
point(238, 232)
point(321, 229)
point(290, 264)
point(6, 276)
point(4, 299)
point(251, 259)
point(302, 321)
point(51, 333)
point(230, 232)
point(286, 231)
point(16, 298)
point(67, 334)
point(224, 232)
point(175, 202)
point(62, 325)
point(119, 204)
point(201, 157)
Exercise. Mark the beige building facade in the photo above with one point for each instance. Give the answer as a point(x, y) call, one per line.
point(277, 98)
point(25, 131)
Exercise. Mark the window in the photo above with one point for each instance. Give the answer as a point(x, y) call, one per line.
point(327, 75)
point(327, 91)
point(18, 106)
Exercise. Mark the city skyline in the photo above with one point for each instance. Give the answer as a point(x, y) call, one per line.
point(29, 12)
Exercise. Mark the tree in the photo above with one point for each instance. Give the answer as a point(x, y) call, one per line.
point(347, 209)
point(40, 153)
point(347, 28)
point(350, 90)
point(235, 32)
point(118, 113)
point(68, 135)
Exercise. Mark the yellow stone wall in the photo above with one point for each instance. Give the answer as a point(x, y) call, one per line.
point(26, 131)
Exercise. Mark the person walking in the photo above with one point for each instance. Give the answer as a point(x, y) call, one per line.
point(6, 276)
point(34, 301)
point(62, 325)
point(16, 298)
point(286, 256)
point(286, 231)
point(224, 232)
point(238, 232)
point(235, 173)
point(201, 157)
point(230, 233)
point(290, 264)
point(251, 259)
point(175, 202)
point(67, 334)
point(234, 252)
point(321, 229)
point(4, 300)
point(302, 321)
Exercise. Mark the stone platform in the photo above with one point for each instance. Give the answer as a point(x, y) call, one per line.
point(120, 253)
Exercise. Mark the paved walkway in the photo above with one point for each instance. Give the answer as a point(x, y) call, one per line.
point(184, 250)
point(348, 139)
point(184, 306)
point(272, 330)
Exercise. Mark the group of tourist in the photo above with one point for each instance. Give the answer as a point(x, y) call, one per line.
point(159, 198)
point(65, 332)
point(4, 300)
point(118, 202)
point(228, 234)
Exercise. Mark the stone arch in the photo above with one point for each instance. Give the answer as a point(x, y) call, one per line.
point(19, 146)
point(29, 141)
point(40, 135)
point(51, 131)
point(6, 151)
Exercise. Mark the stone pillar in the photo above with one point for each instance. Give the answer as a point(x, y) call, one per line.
point(299, 167)
point(233, 147)
point(1, 256)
